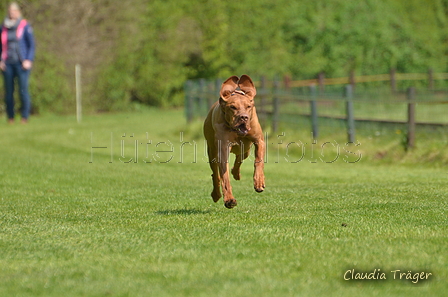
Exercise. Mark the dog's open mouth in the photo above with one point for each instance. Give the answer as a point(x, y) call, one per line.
point(242, 129)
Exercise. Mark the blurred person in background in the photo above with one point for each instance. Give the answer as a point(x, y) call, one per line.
point(17, 55)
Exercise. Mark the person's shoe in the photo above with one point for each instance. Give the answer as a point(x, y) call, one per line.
point(24, 121)
point(10, 121)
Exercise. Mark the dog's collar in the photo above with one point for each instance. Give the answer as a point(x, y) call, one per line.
point(238, 92)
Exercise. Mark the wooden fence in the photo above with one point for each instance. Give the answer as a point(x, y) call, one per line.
point(278, 99)
point(392, 77)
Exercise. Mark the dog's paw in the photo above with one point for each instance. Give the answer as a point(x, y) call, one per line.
point(259, 186)
point(230, 203)
point(260, 189)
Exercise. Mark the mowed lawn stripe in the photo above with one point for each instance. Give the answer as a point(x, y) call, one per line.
point(74, 228)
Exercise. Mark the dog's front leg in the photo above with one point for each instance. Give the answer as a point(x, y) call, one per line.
point(224, 151)
point(214, 165)
point(259, 184)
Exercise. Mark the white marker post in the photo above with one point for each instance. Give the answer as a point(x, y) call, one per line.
point(78, 93)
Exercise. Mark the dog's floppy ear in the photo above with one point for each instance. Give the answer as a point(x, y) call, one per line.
point(228, 87)
point(247, 86)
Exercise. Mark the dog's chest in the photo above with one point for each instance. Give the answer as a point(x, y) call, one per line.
point(240, 145)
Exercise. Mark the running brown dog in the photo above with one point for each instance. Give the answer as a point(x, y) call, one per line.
point(232, 126)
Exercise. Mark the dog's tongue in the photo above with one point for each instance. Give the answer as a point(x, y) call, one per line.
point(243, 130)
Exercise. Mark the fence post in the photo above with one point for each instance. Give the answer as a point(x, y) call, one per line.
point(393, 83)
point(314, 117)
point(287, 82)
point(411, 119)
point(78, 93)
point(321, 81)
point(276, 106)
point(350, 115)
point(352, 79)
point(216, 94)
point(188, 100)
point(202, 96)
point(431, 79)
point(262, 106)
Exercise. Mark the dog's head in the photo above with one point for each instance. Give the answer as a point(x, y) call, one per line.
point(237, 103)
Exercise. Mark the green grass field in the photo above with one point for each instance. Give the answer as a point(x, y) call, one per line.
point(77, 220)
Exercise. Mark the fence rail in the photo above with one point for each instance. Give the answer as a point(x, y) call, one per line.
point(278, 100)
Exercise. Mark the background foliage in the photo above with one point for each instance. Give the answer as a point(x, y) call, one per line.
point(143, 51)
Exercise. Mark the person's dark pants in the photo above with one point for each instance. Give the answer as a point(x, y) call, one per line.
point(11, 72)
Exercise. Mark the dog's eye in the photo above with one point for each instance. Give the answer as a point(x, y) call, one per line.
point(233, 107)
point(249, 106)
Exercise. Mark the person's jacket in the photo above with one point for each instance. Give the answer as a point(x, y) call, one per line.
point(25, 40)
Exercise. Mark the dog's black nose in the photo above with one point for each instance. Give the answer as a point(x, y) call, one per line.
point(244, 117)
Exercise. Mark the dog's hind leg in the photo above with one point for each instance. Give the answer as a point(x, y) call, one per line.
point(223, 165)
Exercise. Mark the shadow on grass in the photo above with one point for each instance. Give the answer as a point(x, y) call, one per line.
point(183, 211)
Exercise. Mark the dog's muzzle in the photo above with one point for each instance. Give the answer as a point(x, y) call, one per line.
point(243, 125)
